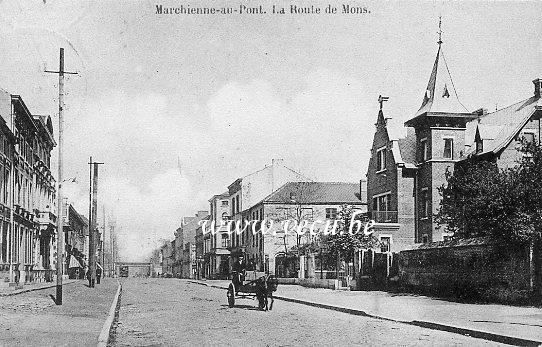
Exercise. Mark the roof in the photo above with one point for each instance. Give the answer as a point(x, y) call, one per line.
point(407, 148)
point(219, 196)
point(499, 128)
point(440, 95)
point(318, 193)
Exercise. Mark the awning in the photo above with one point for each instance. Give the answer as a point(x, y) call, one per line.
point(74, 262)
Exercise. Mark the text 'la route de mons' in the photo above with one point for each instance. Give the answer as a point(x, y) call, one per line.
point(260, 9)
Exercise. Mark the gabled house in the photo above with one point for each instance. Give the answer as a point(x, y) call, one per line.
point(296, 201)
point(390, 184)
point(405, 171)
point(496, 136)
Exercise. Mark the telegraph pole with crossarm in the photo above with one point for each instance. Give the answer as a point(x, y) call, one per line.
point(60, 204)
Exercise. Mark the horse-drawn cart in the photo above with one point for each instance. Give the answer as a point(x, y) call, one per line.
point(261, 288)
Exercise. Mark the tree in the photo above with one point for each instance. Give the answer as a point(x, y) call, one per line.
point(479, 199)
point(345, 244)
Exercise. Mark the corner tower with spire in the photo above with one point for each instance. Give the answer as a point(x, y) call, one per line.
point(440, 125)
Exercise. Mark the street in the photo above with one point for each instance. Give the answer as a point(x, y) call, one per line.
point(173, 312)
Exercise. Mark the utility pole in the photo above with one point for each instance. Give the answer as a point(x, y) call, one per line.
point(103, 243)
point(93, 216)
point(60, 198)
point(91, 249)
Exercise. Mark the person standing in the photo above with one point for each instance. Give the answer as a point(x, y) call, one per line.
point(239, 269)
point(98, 273)
point(87, 274)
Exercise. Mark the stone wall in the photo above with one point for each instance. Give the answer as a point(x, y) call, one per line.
point(473, 268)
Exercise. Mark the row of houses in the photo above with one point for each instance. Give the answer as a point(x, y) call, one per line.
point(276, 193)
point(28, 215)
point(400, 193)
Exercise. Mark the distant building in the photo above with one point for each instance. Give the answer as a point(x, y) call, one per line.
point(216, 251)
point(187, 233)
point(167, 257)
point(76, 241)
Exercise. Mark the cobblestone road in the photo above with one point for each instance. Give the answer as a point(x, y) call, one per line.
point(173, 312)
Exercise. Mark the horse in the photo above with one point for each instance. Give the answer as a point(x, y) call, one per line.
point(265, 286)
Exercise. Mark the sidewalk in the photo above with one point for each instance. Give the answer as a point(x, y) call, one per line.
point(33, 319)
point(518, 323)
point(8, 291)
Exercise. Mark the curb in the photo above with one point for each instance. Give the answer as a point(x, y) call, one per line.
point(34, 289)
point(104, 338)
point(509, 340)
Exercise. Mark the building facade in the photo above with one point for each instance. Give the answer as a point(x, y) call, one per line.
point(406, 171)
point(216, 244)
point(249, 190)
point(27, 193)
point(187, 233)
point(297, 202)
point(390, 184)
point(76, 242)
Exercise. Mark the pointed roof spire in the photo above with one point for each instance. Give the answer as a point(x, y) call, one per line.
point(440, 95)
point(439, 30)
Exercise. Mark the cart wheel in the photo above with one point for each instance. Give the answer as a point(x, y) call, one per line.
point(231, 296)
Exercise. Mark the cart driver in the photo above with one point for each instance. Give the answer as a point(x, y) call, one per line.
point(239, 269)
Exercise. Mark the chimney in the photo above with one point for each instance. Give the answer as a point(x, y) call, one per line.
point(537, 83)
point(480, 112)
point(277, 162)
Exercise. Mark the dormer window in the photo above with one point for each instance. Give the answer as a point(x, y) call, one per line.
point(528, 137)
point(479, 146)
point(381, 159)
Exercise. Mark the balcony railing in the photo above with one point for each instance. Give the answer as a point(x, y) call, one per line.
point(46, 217)
point(384, 216)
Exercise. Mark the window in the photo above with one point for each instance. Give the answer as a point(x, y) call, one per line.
point(385, 244)
point(448, 149)
point(381, 203)
point(381, 159)
point(425, 150)
point(479, 146)
point(237, 204)
point(331, 213)
point(424, 204)
point(224, 202)
point(528, 137)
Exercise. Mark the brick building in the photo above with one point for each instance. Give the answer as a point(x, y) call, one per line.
point(406, 170)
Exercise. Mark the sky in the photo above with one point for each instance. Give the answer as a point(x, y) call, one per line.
point(179, 106)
